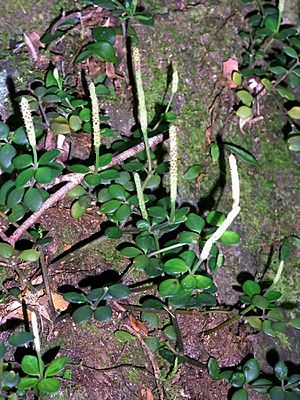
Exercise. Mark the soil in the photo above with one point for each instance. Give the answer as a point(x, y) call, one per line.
point(197, 37)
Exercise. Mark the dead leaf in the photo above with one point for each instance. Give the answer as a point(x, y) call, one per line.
point(137, 325)
point(33, 43)
point(146, 394)
point(229, 67)
point(59, 302)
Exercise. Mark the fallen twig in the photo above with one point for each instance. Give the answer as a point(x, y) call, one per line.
point(75, 179)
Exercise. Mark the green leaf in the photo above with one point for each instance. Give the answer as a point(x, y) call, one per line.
point(213, 369)
point(244, 112)
point(75, 297)
point(144, 19)
point(276, 314)
point(24, 177)
point(56, 366)
point(195, 223)
point(175, 266)
point(27, 383)
point(188, 237)
point(106, 34)
point(75, 123)
point(240, 394)
point(2, 350)
point(278, 70)
point(260, 301)
point(150, 319)
point(60, 125)
point(46, 175)
point(215, 218)
point(267, 84)
point(261, 385)
point(109, 175)
point(295, 323)
point(92, 180)
point(251, 288)
point(294, 142)
point(255, 322)
point(130, 252)
point(237, 379)
point(5, 190)
point(22, 161)
point(124, 336)
point(203, 281)
point(79, 168)
point(19, 136)
point(214, 152)
point(123, 213)
point(277, 393)
point(285, 250)
point(76, 192)
point(104, 50)
point(20, 339)
point(153, 182)
point(251, 370)
point(82, 314)
point(96, 294)
point(245, 97)
point(6, 250)
point(103, 314)
point(267, 328)
point(30, 365)
point(242, 153)
point(48, 157)
point(271, 23)
point(77, 210)
point(189, 282)
point(117, 191)
point(237, 78)
point(30, 255)
point(192, 172)
point(33, 199)
point(272, 295)
point(230, 237)
point(169, 287)
point(7, 153)
point(113, 232)
point(153, 304)
point(290, 51)
point(49, 385)
point(285, 93)
point(105, 160)
point(169, 331)
point(281, 370)
point(152, 343)
point(4, 130)
point(119, 291)
point(294, 112)
point(110, 206)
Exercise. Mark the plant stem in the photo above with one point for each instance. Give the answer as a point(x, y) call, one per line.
point(173, 246)
point(97, 154)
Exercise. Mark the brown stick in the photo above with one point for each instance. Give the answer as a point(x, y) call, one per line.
point(76, 179)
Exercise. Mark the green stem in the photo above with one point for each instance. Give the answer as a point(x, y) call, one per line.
point(97, 154)
point(35, 157)
point(173, 246)
point(1, 374)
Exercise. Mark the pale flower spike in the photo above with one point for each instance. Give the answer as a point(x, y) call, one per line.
point(26, 114)
point(174, 86)
point(173, 169)
point(140, 195)
point(95, 115)
point(140, 91)
point(232, 214)
point(35, 331)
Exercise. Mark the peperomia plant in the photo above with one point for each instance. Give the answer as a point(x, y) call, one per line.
point(249, 378)
point(31, 376)
point(270, 66)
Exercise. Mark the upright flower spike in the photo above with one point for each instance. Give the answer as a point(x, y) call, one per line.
point(29, 127)
point(96, 123)
point(174, 85)
point(140, 195)
point(141, 101)
point(173, 170)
